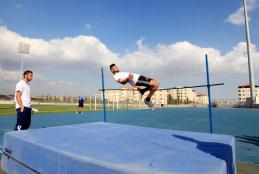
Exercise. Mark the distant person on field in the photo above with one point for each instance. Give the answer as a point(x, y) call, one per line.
point(23, 101)
point(136, 80)
point(80, 105)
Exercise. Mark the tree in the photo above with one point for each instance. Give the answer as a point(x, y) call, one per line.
point(169, 99)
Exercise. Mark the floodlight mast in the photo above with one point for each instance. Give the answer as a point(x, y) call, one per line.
point(23, 48)
point(250, 64)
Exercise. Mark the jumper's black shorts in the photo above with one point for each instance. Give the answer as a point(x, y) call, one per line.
point(23, 119)
point(143, 81)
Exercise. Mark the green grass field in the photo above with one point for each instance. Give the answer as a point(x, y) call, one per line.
point(9, 109)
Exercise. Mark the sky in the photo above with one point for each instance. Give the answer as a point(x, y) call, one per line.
point(71, 40)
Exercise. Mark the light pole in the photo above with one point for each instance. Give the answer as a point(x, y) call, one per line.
point(95, 100)
point(108, 104)
point(139, 102)
point(23, 48)
point(113, 102)
point(117, 102)
point(90, 103)
point(250, 64)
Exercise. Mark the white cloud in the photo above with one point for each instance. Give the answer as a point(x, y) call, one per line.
point(140, 43)
point(187, 59)
point(182, 61)
point(9, 75)
point(60, 82)
point(77, 52)
point(237, 18)
point(41, 85)
point(18, 6)
point(88, 27)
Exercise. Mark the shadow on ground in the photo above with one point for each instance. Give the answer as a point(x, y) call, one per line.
point(218, 150)
point(248, 139)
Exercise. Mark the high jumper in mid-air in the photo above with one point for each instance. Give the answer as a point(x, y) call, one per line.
point(137, 81)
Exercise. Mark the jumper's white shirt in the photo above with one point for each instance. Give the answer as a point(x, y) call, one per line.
point(124, 75)
point(25, 89)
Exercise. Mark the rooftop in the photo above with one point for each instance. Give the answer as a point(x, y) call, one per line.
point(247, 85)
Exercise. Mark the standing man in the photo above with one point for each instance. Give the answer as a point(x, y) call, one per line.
point(80, 105)
point(138, 81)
point(23, 101)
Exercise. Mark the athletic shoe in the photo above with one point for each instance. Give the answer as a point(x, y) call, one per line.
point(149, 103)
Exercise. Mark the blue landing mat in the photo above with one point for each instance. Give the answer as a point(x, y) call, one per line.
point(105, 148)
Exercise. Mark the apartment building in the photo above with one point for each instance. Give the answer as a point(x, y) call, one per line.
point(126, 94)
point(187, 94)
point(201, 99)
point(244, 93)
point(130, 94)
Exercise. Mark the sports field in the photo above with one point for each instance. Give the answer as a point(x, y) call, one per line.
point(9, 109)
point(241, 123)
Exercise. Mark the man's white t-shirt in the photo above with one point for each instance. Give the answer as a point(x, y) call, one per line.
point(124, 75)
point(25, 89)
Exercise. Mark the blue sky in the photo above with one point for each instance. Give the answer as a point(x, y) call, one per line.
point(120, 23)
point(130, 32)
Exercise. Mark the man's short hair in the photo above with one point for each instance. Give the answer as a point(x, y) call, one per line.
point(27, 72)
point(112, 65)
